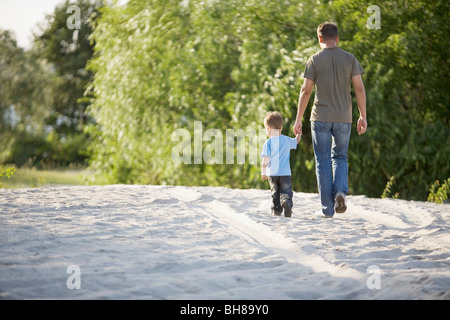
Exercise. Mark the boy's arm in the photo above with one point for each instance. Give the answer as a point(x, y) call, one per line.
point(264, 164)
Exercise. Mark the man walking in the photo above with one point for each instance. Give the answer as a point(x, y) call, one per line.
point(332, 70)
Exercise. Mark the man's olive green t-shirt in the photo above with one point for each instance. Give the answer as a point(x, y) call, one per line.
point(332, 69)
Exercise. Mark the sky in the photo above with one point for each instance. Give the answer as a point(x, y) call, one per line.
point(22, 17)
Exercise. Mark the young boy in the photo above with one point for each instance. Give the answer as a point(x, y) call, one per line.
point(275, 165)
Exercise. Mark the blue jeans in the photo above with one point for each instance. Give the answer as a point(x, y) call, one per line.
point(330, 143)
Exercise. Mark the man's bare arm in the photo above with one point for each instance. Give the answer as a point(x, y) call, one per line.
point(360, 94)
point(305, 94)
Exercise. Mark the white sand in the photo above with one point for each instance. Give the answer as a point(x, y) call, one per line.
point(164, 242)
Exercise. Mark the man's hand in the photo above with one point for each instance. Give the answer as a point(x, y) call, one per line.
point(298, 127)
point(362, 125)
point(264, 177)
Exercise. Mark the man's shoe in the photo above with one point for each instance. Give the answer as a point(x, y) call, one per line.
point(320, 214)
point(340, 205)
point(287, 210)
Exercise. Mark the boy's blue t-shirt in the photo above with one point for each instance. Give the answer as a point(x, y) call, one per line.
point(278, 150)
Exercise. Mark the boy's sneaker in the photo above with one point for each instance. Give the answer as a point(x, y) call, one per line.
point(287, 210)
point(277, 212)
point(340, 205)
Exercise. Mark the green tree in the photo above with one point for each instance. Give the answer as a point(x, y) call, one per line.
point(67, 51)
point(406, 78)
point(161, 65)
point(23, 102)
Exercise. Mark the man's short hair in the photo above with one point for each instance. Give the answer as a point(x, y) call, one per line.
point(328, 31)
point(273, 120)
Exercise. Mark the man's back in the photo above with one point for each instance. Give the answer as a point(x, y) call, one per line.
point(331, 69)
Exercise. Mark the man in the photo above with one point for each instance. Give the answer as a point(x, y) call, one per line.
point(332, 70)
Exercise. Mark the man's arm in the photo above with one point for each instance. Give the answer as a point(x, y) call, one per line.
point(305, 94)
point(360, 94)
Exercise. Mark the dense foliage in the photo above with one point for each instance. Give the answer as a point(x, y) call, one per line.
point(161, 65)
point(42, 103)
point(170, 76)
point(23, 100)
point(406, 80)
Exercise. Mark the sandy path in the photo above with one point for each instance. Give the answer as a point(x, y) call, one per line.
point(162, 242)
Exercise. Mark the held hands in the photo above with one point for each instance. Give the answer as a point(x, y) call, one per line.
point(297, 127)
point(264, 177)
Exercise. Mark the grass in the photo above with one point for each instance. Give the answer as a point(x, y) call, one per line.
point(32, 178)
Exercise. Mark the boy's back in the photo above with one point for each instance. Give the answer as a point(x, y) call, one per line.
point(278, 148)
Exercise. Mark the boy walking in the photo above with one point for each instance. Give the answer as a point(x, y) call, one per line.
point(275, 165)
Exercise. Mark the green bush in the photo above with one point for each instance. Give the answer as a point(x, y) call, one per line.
point(387, 192)
point(6, 172)
point(439, 193)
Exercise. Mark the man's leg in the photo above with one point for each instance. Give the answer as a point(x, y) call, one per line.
point(341, 134)
point(275, 191)
point(321, 138)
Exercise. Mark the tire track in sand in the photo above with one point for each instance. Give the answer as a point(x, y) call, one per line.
point(260, 235)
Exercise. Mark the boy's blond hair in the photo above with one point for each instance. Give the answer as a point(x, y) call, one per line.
point(273, 120)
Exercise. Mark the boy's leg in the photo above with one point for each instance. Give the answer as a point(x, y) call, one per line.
point(286, 195)
point(275, 190)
